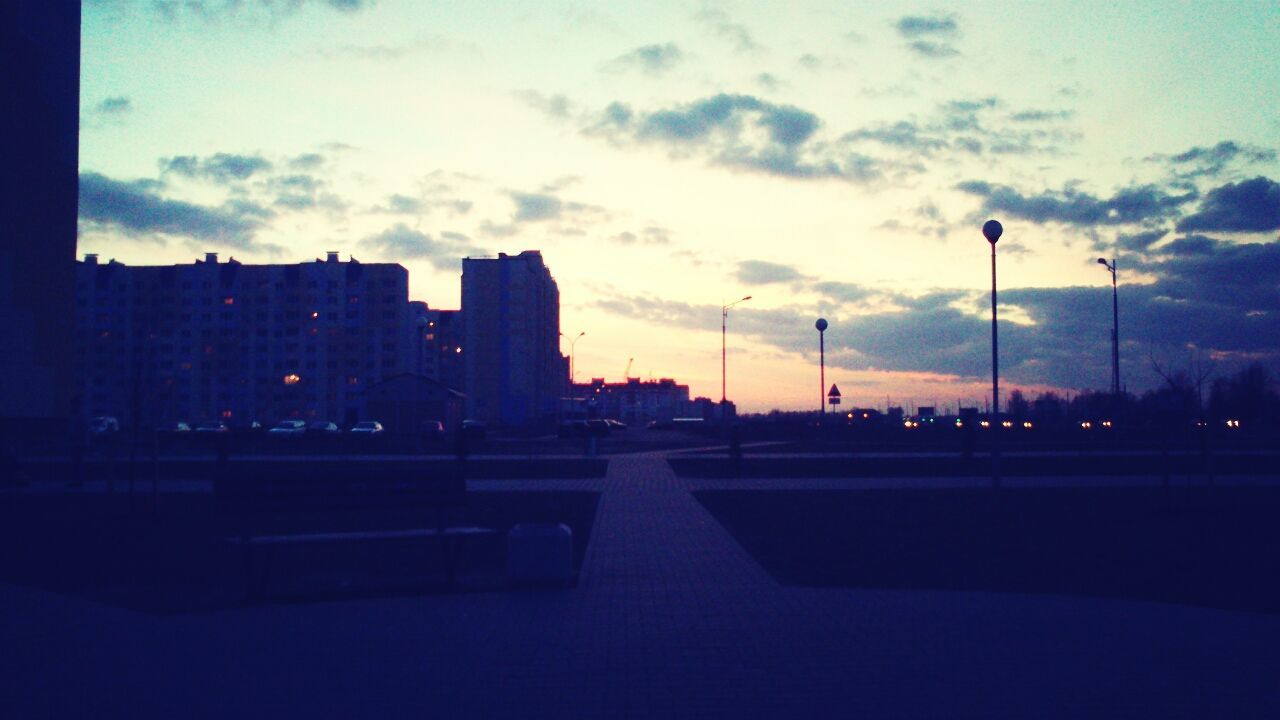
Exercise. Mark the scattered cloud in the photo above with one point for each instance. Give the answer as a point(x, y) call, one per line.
point(930, 36)
point(651, 59)
point(722, 26)
point(1248, 206)
point(1212, 161)
point(760, 272)
point(114, 106)
point(401, 242)
point(175, 10)
point(1132, 205)
point(740, 132)
point(647, 236)
point(220, 167)
point(418, 45)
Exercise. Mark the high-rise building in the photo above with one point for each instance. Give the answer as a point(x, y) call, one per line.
point(39, 133)
point(224, 340)
point(511, 339)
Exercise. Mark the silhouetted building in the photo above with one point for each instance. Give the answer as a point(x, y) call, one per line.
point(511, 339)
point(223, 340)
point(404, 402)
point(40, 107)
point(636, 401)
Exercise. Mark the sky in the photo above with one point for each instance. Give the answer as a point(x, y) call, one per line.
point(828, 159)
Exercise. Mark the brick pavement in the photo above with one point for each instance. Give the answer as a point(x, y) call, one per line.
point(671, 618)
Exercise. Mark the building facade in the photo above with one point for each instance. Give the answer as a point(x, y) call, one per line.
point(240, 343)
point(514, 373)
point(635, 401)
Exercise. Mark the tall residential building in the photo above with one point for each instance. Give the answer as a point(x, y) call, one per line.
point(511, 339)
point(39, 134)
point(224, 340)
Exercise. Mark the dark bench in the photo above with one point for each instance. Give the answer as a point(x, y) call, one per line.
point(270, 505)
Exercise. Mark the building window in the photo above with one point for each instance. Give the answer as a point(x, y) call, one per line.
point(292, 379)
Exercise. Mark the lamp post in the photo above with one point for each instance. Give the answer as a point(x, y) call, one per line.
point(724, 322)
point(572, 346)
point(1115, 328)
point(992, 230)
point(821, 326)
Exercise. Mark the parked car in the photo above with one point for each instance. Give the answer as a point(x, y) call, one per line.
point(432, 430)
point(103, 426)
point(288, 428)
point(212, 426)
point(322, 427)
point(615, 424)
point(173, 427)
point(474, 429)
point(366, 428)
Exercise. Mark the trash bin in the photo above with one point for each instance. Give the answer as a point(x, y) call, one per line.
point(540, 553)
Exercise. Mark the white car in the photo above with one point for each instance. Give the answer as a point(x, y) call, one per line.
point(288, 428)
point(366, 427)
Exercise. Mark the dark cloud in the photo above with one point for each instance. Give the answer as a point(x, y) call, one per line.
point(1248, 206)
point(760, 272)
point(1218, 296)
point(1131, 205)
point(220, 167)
point(136, 209)
point(1139, 242)
point(652, 59)
point(914, 26)
point(401, 242)
point(114, 106)
point(301, 191)
point(402, 205)
point(307, 161)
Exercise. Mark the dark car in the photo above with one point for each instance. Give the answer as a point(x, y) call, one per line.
point(320, 427)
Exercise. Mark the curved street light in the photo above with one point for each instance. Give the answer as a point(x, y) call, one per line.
point(572, 344)
point(724, 322)
point(1115, 327)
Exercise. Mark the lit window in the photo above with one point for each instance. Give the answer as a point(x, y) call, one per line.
point(353, 380)
point(291, 379)
point(228, 300)
point(226, 414)
point(315, 315)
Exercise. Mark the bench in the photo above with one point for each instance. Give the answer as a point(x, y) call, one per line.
point(270, 505)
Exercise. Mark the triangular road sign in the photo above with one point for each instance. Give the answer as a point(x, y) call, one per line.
point(834, 391)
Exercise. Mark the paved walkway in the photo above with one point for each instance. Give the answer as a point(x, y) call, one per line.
point(671, 619)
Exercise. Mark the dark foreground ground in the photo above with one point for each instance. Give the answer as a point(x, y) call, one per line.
point(1213, 547)
point(91, 545)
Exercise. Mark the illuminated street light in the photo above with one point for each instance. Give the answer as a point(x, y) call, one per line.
point(992, 230)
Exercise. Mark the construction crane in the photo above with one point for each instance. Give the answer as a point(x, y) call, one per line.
point(627, 373)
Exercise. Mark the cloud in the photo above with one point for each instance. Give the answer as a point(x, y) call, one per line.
point(1031, 116)
point(301, 191)
point(760, 272)
point(1212, 161)
point(914, 26)
point(1131, 205)
point(114, 106)
point(652, 59)
point(931, 36)
point(420, 44)
point(533, 207)
point(1248, 206)
point(647, 236)
point(135, 209)
point(220, 167)
point(722, 26)
point(401, 242)
point(932, 49)
point(904, 134)
point(740, 132)
point(174, 10)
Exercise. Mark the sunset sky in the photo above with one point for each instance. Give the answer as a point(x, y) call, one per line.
point(831, 159)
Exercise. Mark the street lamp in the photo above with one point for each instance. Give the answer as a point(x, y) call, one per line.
point(572, 344)
point(1115, 327)
point(992, 230)
point(821, 325)
point(724, 321)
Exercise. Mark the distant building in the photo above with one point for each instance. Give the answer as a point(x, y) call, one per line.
point(635, 401)
point(224, 340)
point(511, 339)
